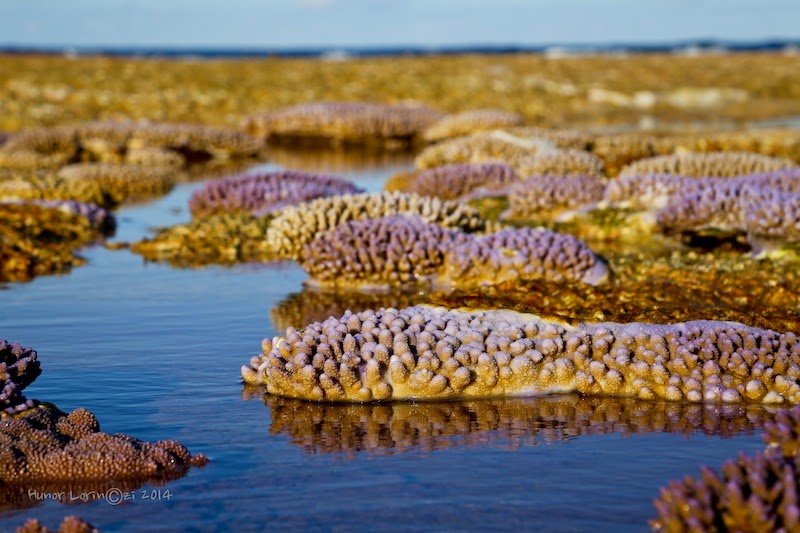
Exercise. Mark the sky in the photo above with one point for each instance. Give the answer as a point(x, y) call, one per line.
point(288, 24)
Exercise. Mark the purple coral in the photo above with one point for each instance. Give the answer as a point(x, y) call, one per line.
point(530, 197)
point(452, 182)
point(261, 193)
point(708, 164)
point(524, 254)
point(433, 352)
point(392, 250)
point(643, 191)
point(702, 204)
point(771, 216)
point(18, 369)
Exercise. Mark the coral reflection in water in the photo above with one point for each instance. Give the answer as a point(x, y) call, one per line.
point(511, 423)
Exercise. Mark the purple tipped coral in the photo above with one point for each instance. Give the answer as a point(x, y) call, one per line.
point(18, 369)
point(432, 352)
point(771, 217)
point(523, 254)
point(452, 182)
point(752, 493)
point(539, 196)
point(393, 250)
point(262, 193)
point(714, 164)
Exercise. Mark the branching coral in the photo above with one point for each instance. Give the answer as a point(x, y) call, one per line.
point(111, 142)
point(226, 238)
point(560, 162)
point(399, 427)
point(522, 254)
point(540, 197)
point(377, 252)
point(47, 445)
point(460, 181)
point(18, 369)
point(471, 121)
point(343, 122)
point(713, 164)
point(497, 146)
point(294, 227)
point(771, 218)
point(751, 493)
point(261, 193)
point(121, 183)
point(428, 353)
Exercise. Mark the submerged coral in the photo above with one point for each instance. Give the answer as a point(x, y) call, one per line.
point(522, 254)
point(343, 122)
point(294, 227)
point(471, 121)
point(261, 193)
point(18, 369)
point(428, 353)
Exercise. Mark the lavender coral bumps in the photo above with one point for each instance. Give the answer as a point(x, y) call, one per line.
point(18, 369)
point(435, 353)
point(523, 254)
point(713, 164)
point(260, 193)
point(378, 252)
point(772, 218)
point(294, 227)
point(459, 181)
point(751, 493)
point(538, 197)
point(343, 122)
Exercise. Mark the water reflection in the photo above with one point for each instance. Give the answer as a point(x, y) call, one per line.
point(329, 160)
point(310, 305)
point(392, 428)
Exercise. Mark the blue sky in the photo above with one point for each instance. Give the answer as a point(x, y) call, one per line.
point(313, 23)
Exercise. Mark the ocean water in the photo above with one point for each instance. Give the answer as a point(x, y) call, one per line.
point(155, 351)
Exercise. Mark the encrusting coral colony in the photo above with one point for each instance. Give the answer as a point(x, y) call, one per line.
point(517, 224)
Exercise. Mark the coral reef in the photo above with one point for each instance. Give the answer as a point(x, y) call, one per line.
point(511, 423)
point(18, 369)
point(712, 164)
point(460, 181)
point(262, 193)
point(41, 237)
point(218, 239)
point(70, 524)
point(751, 493)
point(560, 162)
point(343, 123)
point(426, 352)
point(522, 254)
point(496, 146)
point(121, 142)
point(121, 183)
point(468, 122)
point(47, 445)
point(294, 227)
point(772, 218)
point(541, 197)
point(378, 252)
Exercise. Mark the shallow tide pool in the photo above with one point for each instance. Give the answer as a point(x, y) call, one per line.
point(154, 352)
